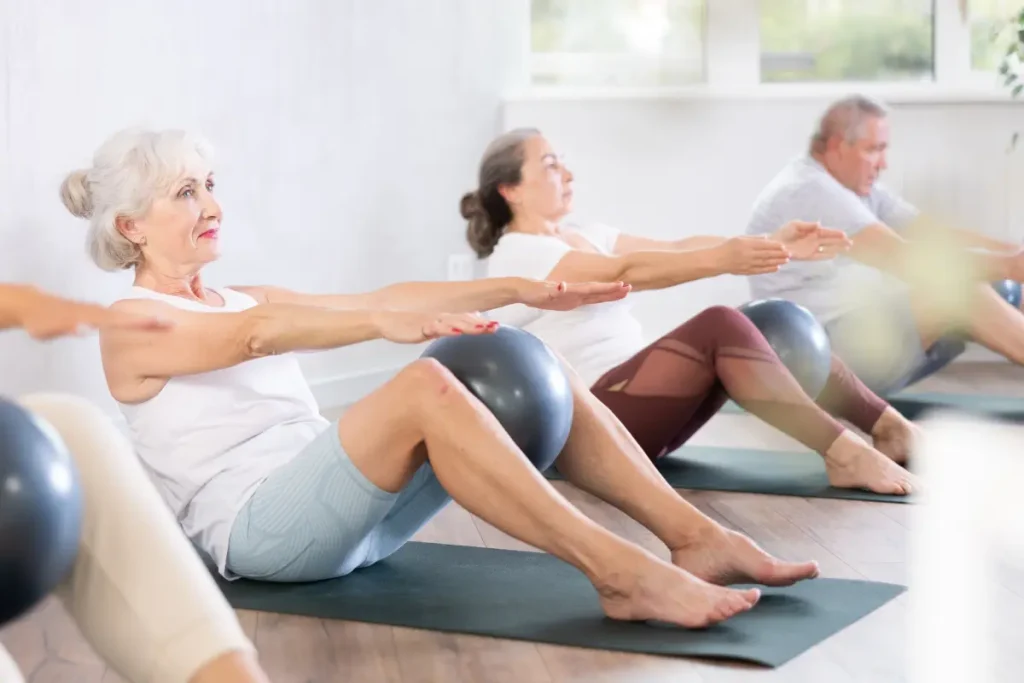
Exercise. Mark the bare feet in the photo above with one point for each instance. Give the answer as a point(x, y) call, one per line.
point(648, 589)
point(894, 435)
point(722, 556)
point(852, 464)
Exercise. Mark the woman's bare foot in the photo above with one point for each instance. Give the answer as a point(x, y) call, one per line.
point(722, 556)
point(852, 464)
point(894, 435)
point(645, 588)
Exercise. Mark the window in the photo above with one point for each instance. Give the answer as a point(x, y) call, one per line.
point(847, 40)
point(993, 29)
point(779, 46)
point(617, 42)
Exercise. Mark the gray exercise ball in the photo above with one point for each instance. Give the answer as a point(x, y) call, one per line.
point(798, 339)
point(518, 378)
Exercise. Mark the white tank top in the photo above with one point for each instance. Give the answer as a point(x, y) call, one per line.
point(208, 440)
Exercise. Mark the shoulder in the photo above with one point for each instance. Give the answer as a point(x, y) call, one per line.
point(601, 235)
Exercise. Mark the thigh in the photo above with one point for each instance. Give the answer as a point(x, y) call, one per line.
point(880, 344)
point(663, 394)
point(9, 672)
point(309, 519)
point(416, 505)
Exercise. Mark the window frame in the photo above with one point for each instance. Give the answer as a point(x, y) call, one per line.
point(732, 66)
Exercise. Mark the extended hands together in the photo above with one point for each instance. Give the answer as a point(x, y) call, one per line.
point(796, 240)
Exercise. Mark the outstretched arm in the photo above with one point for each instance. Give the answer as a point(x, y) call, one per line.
point(627, 244)
point(647, 270)
point(458, 297)
point(880, 246)
point(805, 241)
point(203, 342)
point(45, 316)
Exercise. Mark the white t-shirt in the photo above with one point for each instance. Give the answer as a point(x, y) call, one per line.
point(805, 190)
point(593, 339)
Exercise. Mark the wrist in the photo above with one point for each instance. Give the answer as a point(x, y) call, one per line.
point(717, 260)
point(519, 290)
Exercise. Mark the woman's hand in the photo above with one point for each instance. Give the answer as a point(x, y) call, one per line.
point(811, 242)
point(561, 296)
point(46, 317)
point(749, 255)
point(412, 327)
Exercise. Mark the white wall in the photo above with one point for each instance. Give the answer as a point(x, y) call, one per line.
point(672, 167)
point(347, 130)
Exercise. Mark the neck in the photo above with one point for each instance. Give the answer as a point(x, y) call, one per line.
point(533, 225)
point(188, 285)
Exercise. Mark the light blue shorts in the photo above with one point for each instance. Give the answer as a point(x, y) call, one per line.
point(318, 517)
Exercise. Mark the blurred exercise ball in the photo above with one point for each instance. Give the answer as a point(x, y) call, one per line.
point(40, 510)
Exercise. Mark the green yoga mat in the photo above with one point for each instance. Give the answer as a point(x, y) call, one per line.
point(750, 470)
point(913, 405)
point(536, 597)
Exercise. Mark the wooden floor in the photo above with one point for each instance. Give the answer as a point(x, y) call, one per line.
point(848, 539)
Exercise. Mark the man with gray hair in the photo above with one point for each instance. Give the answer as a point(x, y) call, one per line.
point(882, 309)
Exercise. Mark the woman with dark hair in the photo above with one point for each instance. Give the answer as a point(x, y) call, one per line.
point(664, 391)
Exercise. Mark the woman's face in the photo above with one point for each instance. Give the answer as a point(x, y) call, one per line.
point(182, 227)
point(545, 190)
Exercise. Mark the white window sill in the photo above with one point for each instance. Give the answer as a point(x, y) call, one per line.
point(890, 93)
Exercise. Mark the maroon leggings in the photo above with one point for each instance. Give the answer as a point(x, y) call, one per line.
point(670, 389)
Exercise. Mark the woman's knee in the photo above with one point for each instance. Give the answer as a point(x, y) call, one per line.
point(429, 379)
point(720, 323)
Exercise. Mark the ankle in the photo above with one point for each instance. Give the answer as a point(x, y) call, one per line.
point(845, 445)
point(889, 422)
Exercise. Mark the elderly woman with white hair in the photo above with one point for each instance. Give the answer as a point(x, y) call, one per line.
point(268, 489)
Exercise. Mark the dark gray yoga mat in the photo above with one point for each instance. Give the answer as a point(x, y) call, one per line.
point(535, 597)
point(914, 404)
point(750, 470)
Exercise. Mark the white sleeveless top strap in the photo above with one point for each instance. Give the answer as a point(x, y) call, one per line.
point(209, 439)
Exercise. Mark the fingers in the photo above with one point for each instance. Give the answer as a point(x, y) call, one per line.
point(452, 325)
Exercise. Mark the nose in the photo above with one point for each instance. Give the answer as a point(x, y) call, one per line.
point(883, 162)
point(211, 207)
point(567, 175)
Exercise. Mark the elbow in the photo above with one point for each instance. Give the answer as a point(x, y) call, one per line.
point(256, 338)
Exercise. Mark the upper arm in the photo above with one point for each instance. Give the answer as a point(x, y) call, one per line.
point(626, 244)
point(876, 245)
point(280, 295)
point(584, 266)
point(891, 209)
point(196, 343)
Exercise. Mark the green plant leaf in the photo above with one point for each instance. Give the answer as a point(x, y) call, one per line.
point(1016, 89)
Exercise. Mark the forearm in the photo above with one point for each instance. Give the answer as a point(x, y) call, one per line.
point(449, 297)
point(698, 242)
point(646, 270)
point(282, 328)
point(14, 298)
point(978, 240)
point(906, 259)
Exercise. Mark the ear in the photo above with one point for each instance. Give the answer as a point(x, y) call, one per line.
point(510, 193)
point(127, 227)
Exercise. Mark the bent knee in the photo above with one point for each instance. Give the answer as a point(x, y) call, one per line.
point(66, 412)
point(429, 375)
point(722, 318)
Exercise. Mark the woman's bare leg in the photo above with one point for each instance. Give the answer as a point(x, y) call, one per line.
point(426, 414)
point(602, 458)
